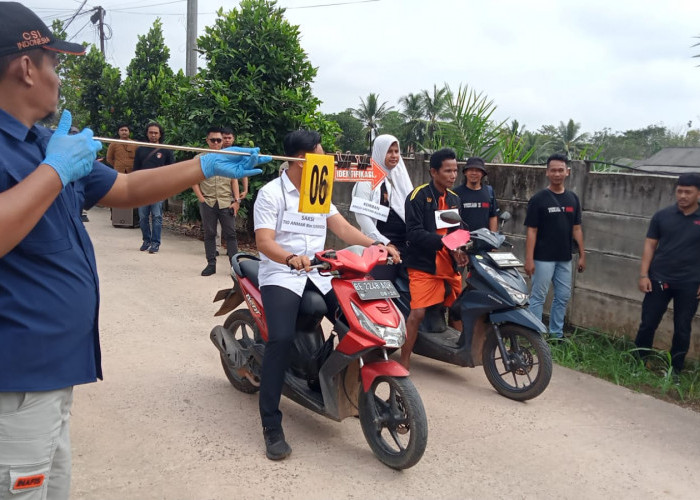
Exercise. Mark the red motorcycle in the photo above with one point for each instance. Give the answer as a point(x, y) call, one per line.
point(347, 374)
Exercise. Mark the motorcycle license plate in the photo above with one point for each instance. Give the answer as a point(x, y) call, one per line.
point(505, 259)
point(375, 289)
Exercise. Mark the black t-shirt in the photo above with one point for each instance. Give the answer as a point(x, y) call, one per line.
point(554, 216)
point(478, 206)
point(143, 159)
point(677, 256)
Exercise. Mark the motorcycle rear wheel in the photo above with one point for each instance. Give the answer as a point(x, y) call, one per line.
point(394, 422)
point(243, 328)
point(531, 370)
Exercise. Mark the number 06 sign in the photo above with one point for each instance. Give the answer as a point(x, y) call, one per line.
point(317, 184)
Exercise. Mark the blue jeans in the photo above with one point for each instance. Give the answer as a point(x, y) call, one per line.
point(558, 273)
point(156, 210)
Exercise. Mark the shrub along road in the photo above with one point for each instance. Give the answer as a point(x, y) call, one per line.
point(166, 424)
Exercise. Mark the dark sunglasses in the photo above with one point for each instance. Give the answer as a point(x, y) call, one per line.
point(215, 140)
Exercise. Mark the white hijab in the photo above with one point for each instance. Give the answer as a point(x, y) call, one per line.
point(398, 183)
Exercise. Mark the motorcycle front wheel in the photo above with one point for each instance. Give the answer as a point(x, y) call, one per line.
point(243, 328)
point(394, 422)
point(530, 363)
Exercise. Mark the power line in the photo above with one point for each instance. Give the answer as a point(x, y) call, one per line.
point(330, 4)
point(149, 5)
point(81, 29)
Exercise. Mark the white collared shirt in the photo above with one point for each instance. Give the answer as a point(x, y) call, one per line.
point(270, 205)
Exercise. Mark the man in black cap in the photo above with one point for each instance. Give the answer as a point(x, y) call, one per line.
point(670, 269)
point(479, 206)
point(49, 295)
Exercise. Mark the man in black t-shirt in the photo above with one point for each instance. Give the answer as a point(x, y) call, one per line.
point(553, 223)
point(479, 206)
point(145, 158)
point(670, 270)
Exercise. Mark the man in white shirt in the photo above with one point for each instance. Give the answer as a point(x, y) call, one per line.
point(283, 246)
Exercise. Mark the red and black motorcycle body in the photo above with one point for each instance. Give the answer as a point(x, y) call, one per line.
point(329, 376)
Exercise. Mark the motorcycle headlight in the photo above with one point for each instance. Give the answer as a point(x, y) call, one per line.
point(517, 296)
point(393, 337)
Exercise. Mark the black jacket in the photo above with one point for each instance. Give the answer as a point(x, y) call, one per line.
point(423, 243)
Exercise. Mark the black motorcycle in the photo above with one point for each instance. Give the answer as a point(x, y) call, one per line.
point(498, 330)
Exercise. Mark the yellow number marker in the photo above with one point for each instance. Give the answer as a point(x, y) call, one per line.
point(317, 184)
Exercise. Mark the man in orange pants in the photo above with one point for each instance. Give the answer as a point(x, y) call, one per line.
point(432, 271)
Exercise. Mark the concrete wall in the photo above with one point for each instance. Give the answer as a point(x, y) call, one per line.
point(616, 212)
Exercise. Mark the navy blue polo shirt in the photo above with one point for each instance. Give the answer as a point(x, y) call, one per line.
point(676, 260)
point(49, 291)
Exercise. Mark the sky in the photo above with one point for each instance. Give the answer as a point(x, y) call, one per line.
point(616, 64)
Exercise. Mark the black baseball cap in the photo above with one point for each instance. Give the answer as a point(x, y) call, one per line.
point(21, 29)
point(475, 162)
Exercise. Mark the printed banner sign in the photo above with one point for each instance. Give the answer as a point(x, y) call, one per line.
point(366, 169)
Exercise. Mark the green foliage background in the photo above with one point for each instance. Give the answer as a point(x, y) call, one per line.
point(257, 80)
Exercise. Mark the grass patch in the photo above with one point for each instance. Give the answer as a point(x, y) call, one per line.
point(615, 359)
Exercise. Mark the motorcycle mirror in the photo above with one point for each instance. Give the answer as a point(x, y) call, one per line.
point(505, 216)
point(450, 218)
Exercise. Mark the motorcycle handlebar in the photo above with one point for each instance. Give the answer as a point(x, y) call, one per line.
point(315, 264)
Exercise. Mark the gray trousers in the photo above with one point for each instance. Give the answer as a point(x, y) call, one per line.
point(35, 455)
point(228, 230)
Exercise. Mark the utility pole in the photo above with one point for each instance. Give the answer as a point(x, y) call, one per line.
point(99, 18)
point(190, 53)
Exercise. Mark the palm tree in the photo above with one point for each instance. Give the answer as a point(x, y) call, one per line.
point(370, 113)
point(434, 107)
point(414, 128)
point(568, 138)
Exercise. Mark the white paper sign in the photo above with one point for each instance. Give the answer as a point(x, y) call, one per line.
point(310, 224)
point(441, 224)
point(370, 209)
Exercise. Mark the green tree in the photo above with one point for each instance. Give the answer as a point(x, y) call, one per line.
point(70, 79)
point(351, 137)
point(257, 80)
point(471, 130)
point(567, 138)
point(98, 94)
point(434, 109)
point(413, 133)
point(149, 80)
point(392, 123)
point(370, 113)
point(514, 146)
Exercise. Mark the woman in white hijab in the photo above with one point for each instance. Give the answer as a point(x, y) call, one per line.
point(391, 193)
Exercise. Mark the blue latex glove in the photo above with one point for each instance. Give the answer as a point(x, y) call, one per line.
point(71, 156)
point(232, 166)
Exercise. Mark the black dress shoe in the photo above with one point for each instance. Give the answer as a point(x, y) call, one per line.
point(276, 448)
point(209, 270)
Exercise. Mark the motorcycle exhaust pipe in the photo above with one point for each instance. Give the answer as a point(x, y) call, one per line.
point(236, 356)
point(224, 341)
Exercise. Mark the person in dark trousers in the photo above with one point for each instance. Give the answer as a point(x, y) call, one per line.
point(146, 158)
point(432, 267)
point(553, 223)
point(218, 203)
point(49, 287)
point(479, 206)
point(670, 270)
point(284, 242)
